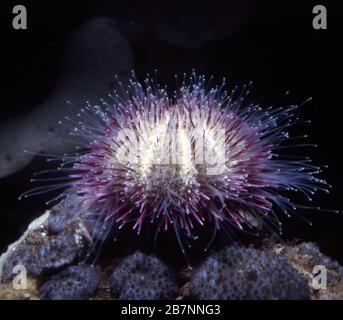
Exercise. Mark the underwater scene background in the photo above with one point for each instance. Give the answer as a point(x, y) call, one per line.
point(71, 51)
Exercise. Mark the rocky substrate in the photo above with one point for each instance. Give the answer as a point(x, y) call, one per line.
point(54, 249)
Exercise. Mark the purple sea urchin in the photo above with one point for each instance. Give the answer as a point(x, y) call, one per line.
point(201, 157)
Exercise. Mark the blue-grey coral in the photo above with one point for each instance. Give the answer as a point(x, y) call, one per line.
point(239, 273)
point(141, 276)
point(74, 283)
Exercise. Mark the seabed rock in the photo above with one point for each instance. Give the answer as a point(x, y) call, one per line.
point(53, 255)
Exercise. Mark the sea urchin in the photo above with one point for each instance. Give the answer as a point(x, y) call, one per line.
point(201, 157)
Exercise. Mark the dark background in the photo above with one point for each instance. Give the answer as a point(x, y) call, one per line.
point(277, 49)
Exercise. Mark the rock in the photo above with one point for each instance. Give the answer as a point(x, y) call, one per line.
point(74, 283)
point(66, 212)
point(305, 257)
point(57, 252)
point(24, 256)
point(71, 212)
point(276, 271)
point(40, 252)
point(140, 276)
point(312, 250)
point(21, 250)
point(7, 292)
